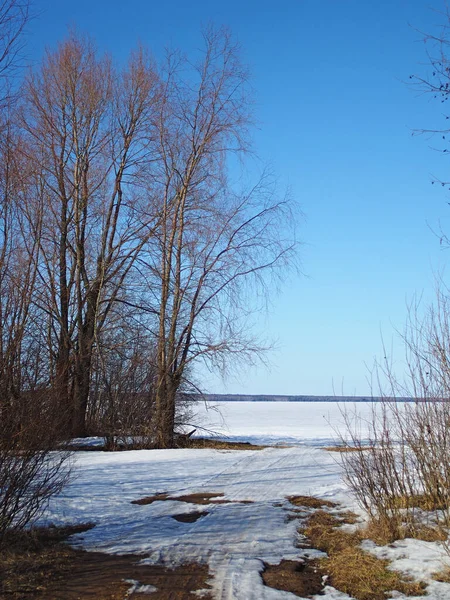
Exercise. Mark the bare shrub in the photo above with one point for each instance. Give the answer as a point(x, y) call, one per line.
point(31, 469)
point(122, 394)
point(122, 398)
point(405, 469)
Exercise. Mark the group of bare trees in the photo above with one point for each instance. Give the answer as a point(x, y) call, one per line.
point(131, 247)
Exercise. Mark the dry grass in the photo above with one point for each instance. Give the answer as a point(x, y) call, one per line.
point(38, 565)
point(220, 444)
point(347, 448)
point(322, 529)
point(443, 576)
point(310, 502)
point(384, 532)
point(33, 558)
point(352, 570)
point(366, 577)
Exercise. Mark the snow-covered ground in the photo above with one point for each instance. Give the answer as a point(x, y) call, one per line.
point(234, 539)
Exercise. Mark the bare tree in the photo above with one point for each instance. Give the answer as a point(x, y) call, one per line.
point(435, 80)
point(30, 473)
point(89, 137)
point(14, 15)
point(139, 224)
point(214, 245)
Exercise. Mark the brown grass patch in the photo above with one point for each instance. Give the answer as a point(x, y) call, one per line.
point(384, 532)
point(322, 529)
point(301, 578)
point(366, 577)
point(310, 502)
point(198, 498)
point(220, 444)
point(38, 565)
point(347, 448)
point(443, 576)
point(151, 499)
point(352, 570)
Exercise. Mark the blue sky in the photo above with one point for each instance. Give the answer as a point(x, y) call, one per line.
point(336, 116)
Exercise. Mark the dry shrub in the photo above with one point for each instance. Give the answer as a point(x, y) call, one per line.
point(422, 501)
point(31, 470)
point(352, 570)
point(386, 532)
point(404, 469)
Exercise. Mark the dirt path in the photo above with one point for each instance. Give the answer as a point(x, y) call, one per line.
point(98, 576)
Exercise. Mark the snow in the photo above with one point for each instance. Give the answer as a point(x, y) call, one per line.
point(136, 587)
point(312, 423)
point(233, 539)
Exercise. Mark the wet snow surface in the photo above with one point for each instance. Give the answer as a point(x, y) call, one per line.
point(234, 538)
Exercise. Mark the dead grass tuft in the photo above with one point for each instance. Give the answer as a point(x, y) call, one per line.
point(322, 529)
point(386, 531)
point(348, 517)
point(310, 502)
point(352, 570)
point(443, 576)
point(220, 444)
point(364, 576)
point(347, 448)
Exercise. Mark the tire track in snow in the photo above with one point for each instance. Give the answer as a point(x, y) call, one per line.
point(258, 476)
point(243, 532)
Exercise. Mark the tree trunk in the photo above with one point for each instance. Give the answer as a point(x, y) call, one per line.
point(165, 414)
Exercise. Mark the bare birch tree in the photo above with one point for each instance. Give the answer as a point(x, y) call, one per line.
point(214, 246)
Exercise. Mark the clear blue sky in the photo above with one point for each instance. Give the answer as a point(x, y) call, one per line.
point(336, 124)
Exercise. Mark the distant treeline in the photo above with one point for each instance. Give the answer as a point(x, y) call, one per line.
point(273, 398)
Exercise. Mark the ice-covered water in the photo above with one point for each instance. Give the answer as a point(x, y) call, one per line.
point(311, 423)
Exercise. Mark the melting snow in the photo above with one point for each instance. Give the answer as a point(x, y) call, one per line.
point(233, 539)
